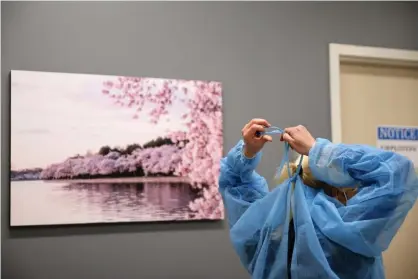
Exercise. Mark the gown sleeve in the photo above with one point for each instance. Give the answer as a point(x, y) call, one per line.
point(388, 188)
point(257, 217)
point(240, 185)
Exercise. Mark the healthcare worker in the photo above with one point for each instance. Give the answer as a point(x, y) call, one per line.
point(355, 196)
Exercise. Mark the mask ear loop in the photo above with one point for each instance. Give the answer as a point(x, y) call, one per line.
point(276, 130)
point(285, 160)
point(273, 130)
point(270, 131)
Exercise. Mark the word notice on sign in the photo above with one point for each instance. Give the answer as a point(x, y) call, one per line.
point(402, 140)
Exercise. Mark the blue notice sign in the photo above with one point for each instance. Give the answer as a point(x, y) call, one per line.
point(397, 133)
point(399, 139)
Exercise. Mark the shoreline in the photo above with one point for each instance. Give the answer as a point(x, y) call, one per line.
point(118, 180)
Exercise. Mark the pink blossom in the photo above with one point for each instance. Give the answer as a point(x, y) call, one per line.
point(201, 155)
point(106, 166)
point(159, 160)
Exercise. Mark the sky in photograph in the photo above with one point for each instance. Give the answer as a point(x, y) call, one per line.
point(57, 115)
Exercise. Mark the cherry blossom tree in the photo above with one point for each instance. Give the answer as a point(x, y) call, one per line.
point(92, 164)
point(164, 159)
point(49, 172)
point(122, 164)
point(201, 155)
point(160, 160)
point(79, 167)
point(113, 155)
point(106, 166)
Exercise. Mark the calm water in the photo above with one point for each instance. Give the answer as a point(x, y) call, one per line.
point(43, 203)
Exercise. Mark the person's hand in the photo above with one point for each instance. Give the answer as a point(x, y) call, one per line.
point(254, 144)
point(299, 139)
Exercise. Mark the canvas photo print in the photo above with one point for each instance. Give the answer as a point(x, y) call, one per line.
point(108, 149)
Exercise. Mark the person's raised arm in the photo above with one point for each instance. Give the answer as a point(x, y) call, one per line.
point(249, 205)
point(239, 183)
point(388, 188)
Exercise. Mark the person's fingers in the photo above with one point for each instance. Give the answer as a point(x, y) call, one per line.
point(288, 138)
point(244, 130)
point(290, 130)
point(267, 138)
point(255, 128)
point(260, 121)
point(301, 127)
point(257, 121)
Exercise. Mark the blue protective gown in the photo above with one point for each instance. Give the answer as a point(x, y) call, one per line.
point(332, 240)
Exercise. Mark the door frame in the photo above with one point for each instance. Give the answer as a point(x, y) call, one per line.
point(353, 53)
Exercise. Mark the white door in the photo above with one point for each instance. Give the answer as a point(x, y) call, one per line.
point(373, 95)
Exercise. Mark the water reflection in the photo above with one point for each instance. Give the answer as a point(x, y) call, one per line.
point(41, 203)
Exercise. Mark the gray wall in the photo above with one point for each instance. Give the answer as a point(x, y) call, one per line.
point(272, 59)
